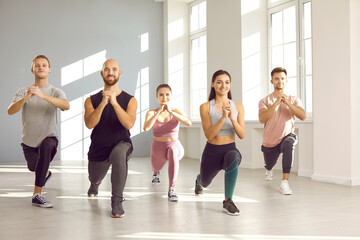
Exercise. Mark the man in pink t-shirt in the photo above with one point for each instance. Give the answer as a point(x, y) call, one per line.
point(277, 111)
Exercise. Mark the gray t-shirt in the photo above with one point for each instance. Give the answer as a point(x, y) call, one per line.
point(39, 117)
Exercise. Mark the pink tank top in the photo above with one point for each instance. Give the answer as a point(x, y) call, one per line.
point(166, 129)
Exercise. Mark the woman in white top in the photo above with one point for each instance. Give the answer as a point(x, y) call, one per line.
point(221, 119)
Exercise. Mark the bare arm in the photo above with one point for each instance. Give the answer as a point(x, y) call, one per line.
point(61, 103)
point(17, 105)
point(266, 113)
point(127, 118)
point(180, 116)
point(210, 131)
point(239, 122)
point(92, 116)
point(150, 119)
point(298, 111)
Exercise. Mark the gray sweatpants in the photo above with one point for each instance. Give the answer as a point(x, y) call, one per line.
point(118, 158)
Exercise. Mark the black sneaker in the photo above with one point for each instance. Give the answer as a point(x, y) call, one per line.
point(93, 190)
point(117, 208)
point(155, 179)
point(198, 188)
point(47, 178)
point(40, 201)
point(172, 196)
point(230, 208)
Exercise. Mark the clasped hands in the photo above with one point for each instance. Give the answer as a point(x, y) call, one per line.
point(35, 91)
point(227, 111)
point(282, 98)
point(165, 107)
point(109, 97)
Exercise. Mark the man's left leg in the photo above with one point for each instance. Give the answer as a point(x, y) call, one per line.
point(119, 157)
point(47, 151)
point(287, 147)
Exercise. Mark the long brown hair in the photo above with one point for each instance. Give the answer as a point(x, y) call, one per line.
point(212, 94)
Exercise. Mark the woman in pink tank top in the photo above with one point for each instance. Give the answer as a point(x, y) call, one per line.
point(165, 146)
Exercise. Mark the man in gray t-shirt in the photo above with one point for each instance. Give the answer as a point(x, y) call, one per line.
point(39, 104)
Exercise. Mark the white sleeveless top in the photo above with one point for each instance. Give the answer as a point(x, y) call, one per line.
point(227, 128)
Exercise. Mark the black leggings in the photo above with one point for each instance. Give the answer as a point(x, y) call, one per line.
point(286, 147)
point(216, 158)
point(38, 159)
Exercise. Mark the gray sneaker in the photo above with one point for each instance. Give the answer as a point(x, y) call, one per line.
point(117, 210)
point(230, 208)
point(40, 201)
point(93, 190)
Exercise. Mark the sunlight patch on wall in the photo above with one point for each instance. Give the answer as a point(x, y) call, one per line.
point(142, 97)
point(175, 29)
point(251, 84)
point(82, 68)
point(94, 63)
point(144, 42)
point(248, 6)
point(72, 72)
point(176, 79)
point(75, 136)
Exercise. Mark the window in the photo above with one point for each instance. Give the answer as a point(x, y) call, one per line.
point(290, 47)
point(283, 48)
point(198, 63)
point(306, 69)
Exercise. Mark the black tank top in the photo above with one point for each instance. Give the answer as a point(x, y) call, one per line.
point(109, 131)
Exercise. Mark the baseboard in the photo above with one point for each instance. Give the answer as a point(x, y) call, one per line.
point(304, 173)
point(355, 182)
point(336, 180)
point(246, 165)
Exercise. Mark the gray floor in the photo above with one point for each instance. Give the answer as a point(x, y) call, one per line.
point(315, 210)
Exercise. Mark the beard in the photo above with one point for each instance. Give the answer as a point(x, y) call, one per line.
point(279, 87)
point(111, 82)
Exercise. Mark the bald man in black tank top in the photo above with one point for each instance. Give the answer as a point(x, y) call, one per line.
point(111, 113)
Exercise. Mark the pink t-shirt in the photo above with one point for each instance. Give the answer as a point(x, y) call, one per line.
point(282, 121)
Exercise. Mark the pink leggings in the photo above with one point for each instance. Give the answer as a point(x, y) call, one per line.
point(167, 151)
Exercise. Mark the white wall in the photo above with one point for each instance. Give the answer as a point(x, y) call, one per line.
point(224, 41)
point(68, 31)
point(224, 52)
point(328, 148)
point(355, 89)
point(177, 46)
point(336, 91)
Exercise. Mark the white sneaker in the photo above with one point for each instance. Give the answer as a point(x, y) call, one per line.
point(284, 188)
point(269, 175)
point(172, 196)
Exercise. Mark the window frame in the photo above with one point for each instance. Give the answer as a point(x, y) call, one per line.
point(196, 34)
point(300, 48)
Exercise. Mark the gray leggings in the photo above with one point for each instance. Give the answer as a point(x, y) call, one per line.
point(118, 158)
point(286, 147)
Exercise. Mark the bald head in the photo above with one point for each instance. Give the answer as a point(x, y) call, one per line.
point(111, 72)
point(110, 62)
